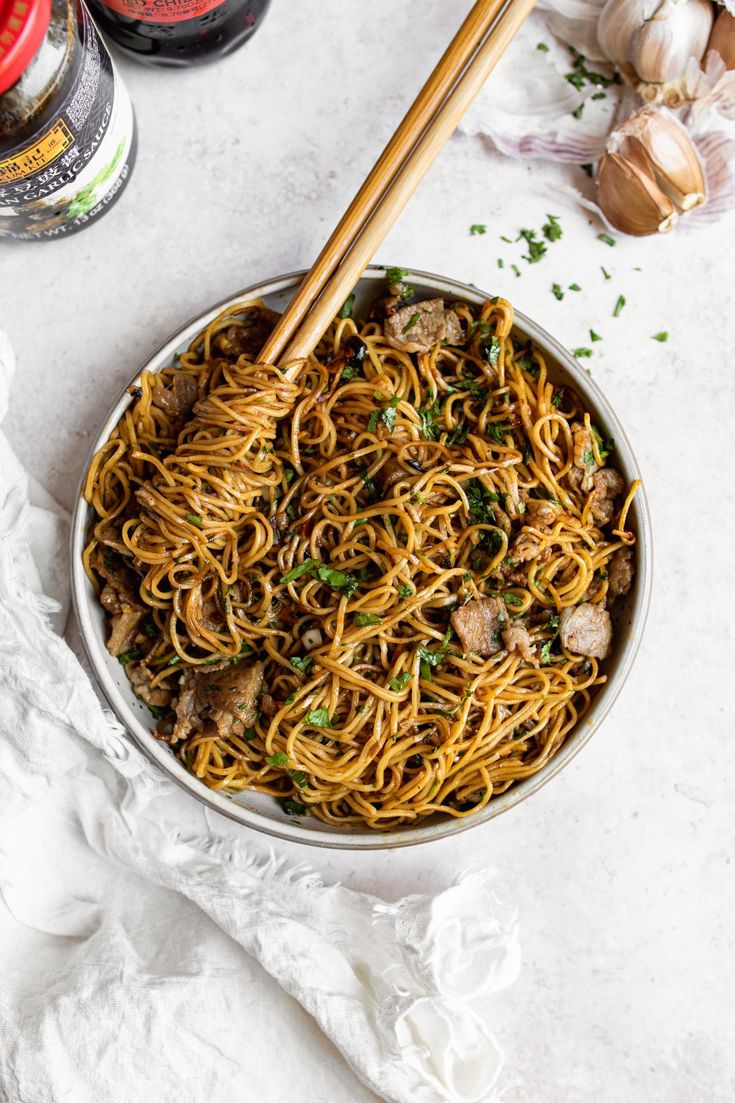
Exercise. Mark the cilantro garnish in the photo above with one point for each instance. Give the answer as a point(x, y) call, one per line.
point(498, 430)
point(405, 590)
point(277, 759)
point(478, 228)
point(579, 353)
point(619, 306)
point(556, 291)
point(594, 336)
point(296, 572)
point(662, 336)
point(432, 657)
point(347, 305)
point(542, 47)
point(536, 249)
point(606, 239)
point(293, 807)
point(301, 663)
point(300, 777)
point(318, 718)
point(552, 230)
point(194, 519)
point(490, 350)
point(129, 656)
point(412, 321)
point(362, 620)
point(400, 681)
point(430, 430)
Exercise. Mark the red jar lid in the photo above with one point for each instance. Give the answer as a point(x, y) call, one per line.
point(23, 24)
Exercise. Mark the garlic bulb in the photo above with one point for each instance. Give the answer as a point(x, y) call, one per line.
point(651, 41)
point(722, 38)
point(650, 174)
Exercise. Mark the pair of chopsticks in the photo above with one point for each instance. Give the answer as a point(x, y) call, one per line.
point(458, 77)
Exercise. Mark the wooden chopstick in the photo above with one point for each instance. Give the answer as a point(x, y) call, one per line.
point(407, 180)
point(384, 172)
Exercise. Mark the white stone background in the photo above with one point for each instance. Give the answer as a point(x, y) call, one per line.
point(621, 867)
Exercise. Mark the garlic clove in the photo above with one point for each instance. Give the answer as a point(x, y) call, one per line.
point(630, 198)
point(722, 39)
point(650, 174)
point(651, 41)
point(677, 166)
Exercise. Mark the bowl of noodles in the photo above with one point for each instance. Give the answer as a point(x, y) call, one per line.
point(375, 599)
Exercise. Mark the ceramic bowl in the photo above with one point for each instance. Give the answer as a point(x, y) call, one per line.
point(260, 811)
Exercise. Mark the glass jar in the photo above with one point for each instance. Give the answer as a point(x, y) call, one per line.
point(179, 32)
point(67, 132)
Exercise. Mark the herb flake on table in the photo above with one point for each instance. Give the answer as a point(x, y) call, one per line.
point(606, 239)
point(556, 291)
point(581, 352)
point(662, 336)
point(478, 228)
point(594, 336)
point(619, 306)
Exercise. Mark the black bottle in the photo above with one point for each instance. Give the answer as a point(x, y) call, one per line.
point(179, 32)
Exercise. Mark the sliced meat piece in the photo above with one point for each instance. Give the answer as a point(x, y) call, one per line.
point(249, 335)
point(583, 455)
point(620, 572)
point(178, 398)
point(586, 630)
point(540, 514)
point(122, 589)
point(140, 678)
point(607, 485)
point(226, 698)
point(525, 547)
point(123, 629)
point(420, 326)
point(516, 638)
point(479, 624)
point(391, 473)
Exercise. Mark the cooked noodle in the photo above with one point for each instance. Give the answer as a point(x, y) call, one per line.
point(339, 521)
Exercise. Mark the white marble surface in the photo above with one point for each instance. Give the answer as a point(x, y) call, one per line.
point(621, 867)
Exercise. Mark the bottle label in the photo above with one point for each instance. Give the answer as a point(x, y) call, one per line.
point(161, 11)
point(71, 171)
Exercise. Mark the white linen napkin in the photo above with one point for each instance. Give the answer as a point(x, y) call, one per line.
point(133, 928)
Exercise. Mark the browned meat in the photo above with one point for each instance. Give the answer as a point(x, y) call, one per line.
point(420, 326)
point(177, 399)
point(620, 572)
point(586, 630)
point(121, 590)
point(583, 456)
point(123, 628)
point(540, 514)
point(391, 473)
point(226, 699)
point(516, 638)
point(526, 546)
point(140, 677)
point(268, 705)
point(249, 337)
point(478, 625)
point(607, 484)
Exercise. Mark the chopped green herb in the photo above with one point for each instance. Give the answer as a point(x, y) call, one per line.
point(405, 590)
point(174, 661)
point(291, 698)
point(498, 430)
point(577, 113)
point(157, 711)
point(556, 291)
point(589, 459)
point(546, 651)
point(249, 735)
point(277, 759)
point(468, 383)
point(296, 572)
point(552, 230)
point(430, 430)
point(579, 353)
point(362, 620)
point(318, 718)
point(574, 287)
point(194, 519)
point(293, 807)
point(301, 663)
point(431, 657)
point(478, 228)
point(300, 777)
point(490, 350)
point(342, 581)
point(396, 275)
point(536, 249)
point(619, 306)
point(516, 269)
point(605, 273)
point(412, 321)
point(606, 239)
point(558, 397)
point(662, 336)
point(148, 627)
point(479, 499)
point(594, 336)
point(542, 47)
point(350, 372)
point(347, 305)
point(400, 681)
point(598, 96)
point(512, 599)
point(501, 262)
point(129, 656)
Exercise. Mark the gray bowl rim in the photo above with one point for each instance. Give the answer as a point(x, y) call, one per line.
point(435, 828)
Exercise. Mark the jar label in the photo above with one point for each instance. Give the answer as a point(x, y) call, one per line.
point(71, 171)
point(161, 11)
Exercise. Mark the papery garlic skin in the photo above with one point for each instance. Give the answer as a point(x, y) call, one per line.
point(651, 42)
point(722, 39)
point(650, 175)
